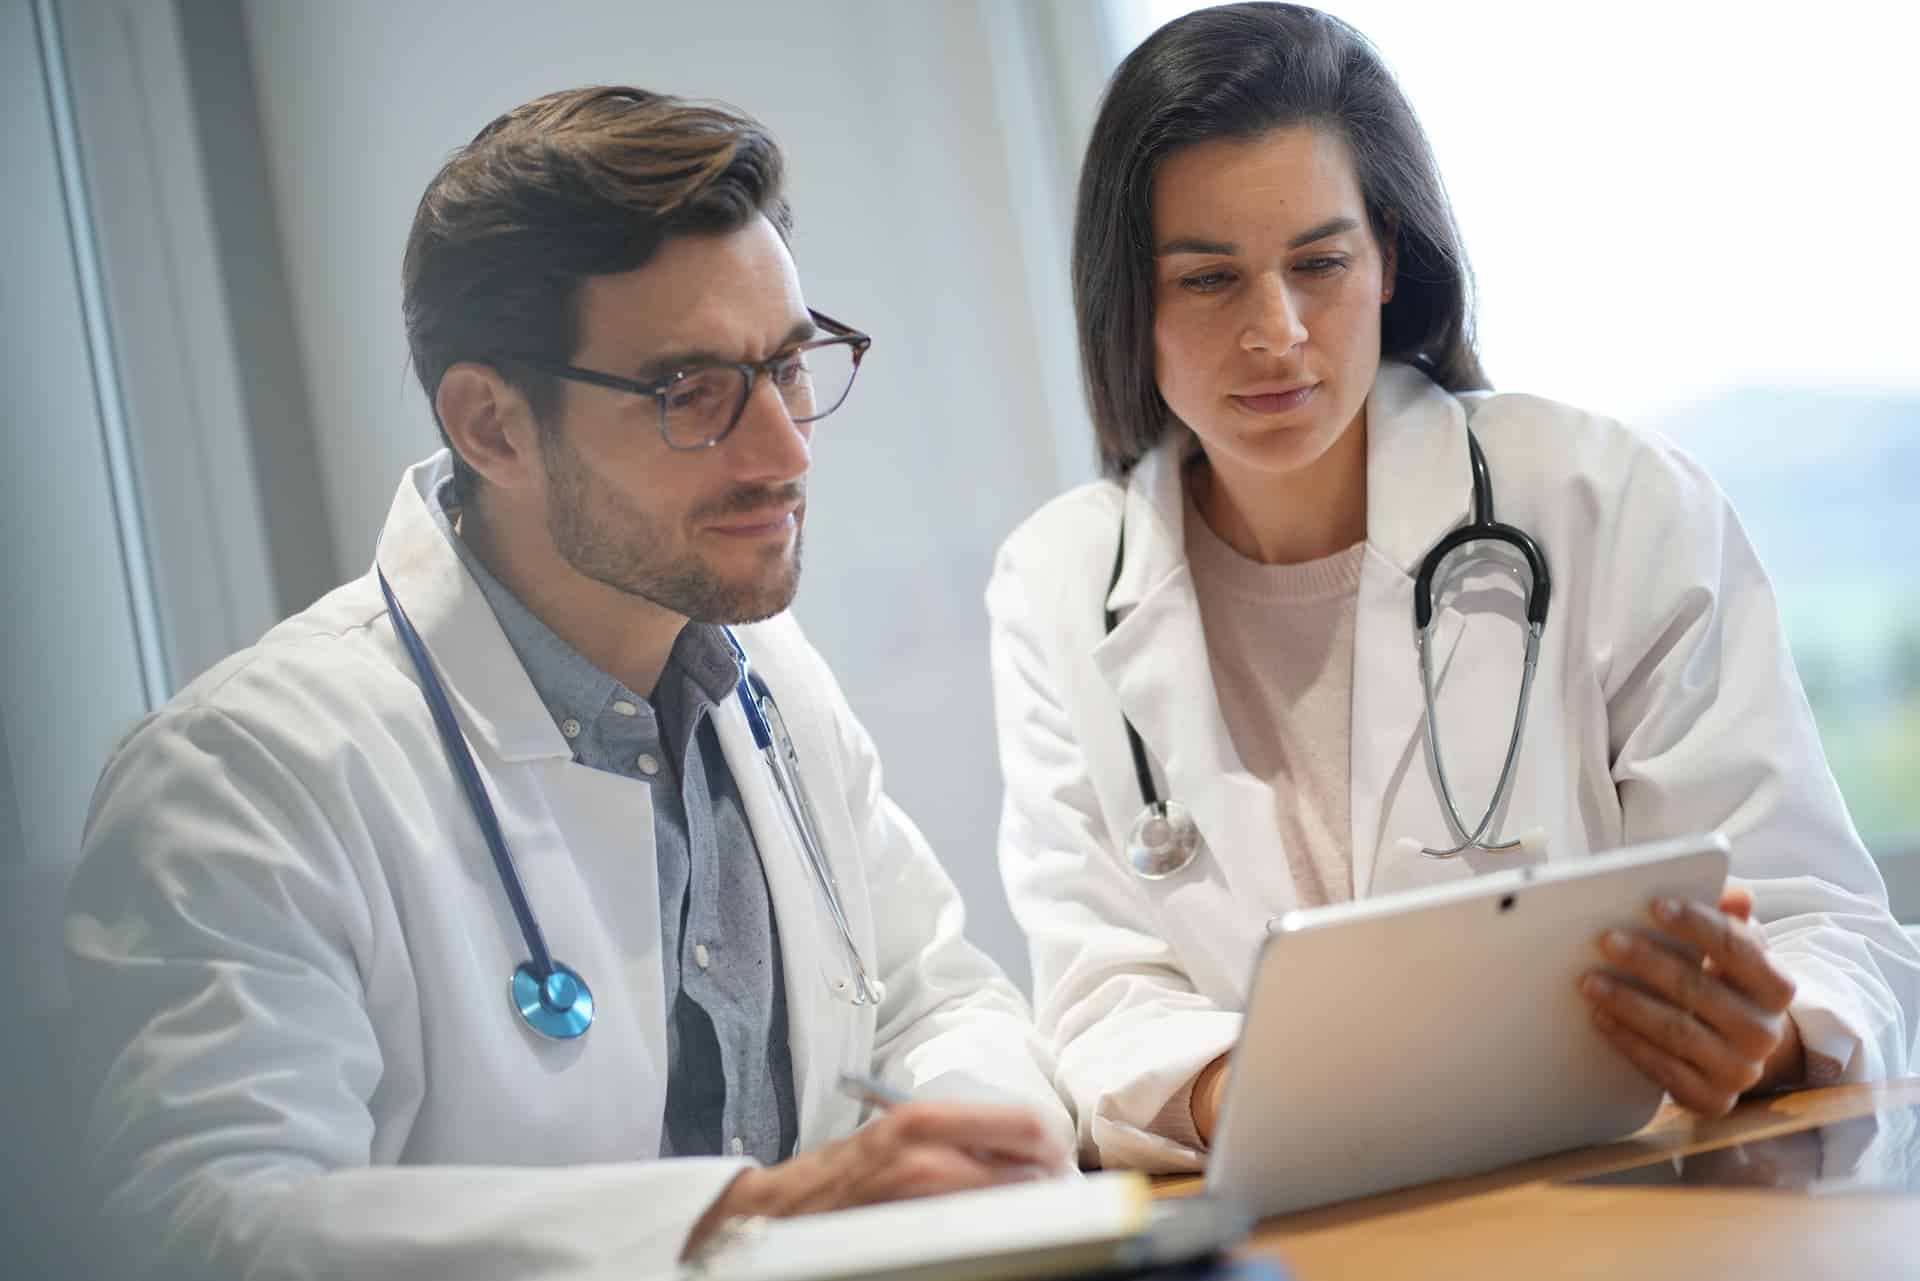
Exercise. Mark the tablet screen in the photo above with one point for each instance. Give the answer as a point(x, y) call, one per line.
point(1875, 1153)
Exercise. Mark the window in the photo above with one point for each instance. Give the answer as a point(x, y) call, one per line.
point(1699, 219)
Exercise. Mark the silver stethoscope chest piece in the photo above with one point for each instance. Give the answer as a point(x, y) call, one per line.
point(1164, 841)
point(560, 1008)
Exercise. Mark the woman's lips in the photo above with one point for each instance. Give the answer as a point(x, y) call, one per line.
point(1277, 402)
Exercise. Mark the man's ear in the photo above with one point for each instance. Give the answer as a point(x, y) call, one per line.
point(489, 424)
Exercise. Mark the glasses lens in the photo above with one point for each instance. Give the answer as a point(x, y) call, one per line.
point(699, 407)
point(816, 380)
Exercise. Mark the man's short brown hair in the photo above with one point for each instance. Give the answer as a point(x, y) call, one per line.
point(587, 182)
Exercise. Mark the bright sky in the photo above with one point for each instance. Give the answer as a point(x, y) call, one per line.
point(1664, 199)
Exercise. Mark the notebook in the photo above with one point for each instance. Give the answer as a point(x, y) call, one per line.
point(1048, 1228)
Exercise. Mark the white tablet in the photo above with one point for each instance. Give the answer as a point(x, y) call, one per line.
point(1439, 1032)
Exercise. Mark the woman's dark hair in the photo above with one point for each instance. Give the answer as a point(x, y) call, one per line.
point(586, 182)
point(1239, 71)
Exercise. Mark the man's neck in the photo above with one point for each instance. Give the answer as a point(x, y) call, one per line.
point(625, 636)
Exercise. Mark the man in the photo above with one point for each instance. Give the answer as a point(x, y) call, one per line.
point(338, 1028)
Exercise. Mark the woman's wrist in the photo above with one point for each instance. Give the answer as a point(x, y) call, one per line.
point(1786, 1067)
point(1208, 1086)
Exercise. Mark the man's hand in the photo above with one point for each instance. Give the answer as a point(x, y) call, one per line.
point(1707, 1031)
point(914, 1150)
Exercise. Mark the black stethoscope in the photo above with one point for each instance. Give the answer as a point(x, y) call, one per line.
point(1164, 840)
point(550, 998)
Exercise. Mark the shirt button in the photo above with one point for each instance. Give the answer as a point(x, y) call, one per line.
point(738, 1146)
point(701, 956)
point(648, 764)
point(625, 708)
point(570, 727)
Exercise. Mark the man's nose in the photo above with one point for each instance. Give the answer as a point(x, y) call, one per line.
point(768, 445)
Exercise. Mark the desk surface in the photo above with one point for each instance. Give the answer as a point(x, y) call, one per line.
point(1532, 1220)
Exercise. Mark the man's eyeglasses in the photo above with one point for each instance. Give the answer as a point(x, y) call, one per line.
point(700, 404)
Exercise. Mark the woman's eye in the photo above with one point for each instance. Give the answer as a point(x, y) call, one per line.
point(791, 369)
point(1206, 282)
point(1321, 266)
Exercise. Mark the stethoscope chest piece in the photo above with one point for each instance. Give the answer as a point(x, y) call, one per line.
point(560, 1009)
point(1164, 840)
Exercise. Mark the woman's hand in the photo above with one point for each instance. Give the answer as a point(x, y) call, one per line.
point(1707, 1031)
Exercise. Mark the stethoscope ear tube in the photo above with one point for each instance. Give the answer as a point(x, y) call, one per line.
point(1483, 528)
point(783, 765)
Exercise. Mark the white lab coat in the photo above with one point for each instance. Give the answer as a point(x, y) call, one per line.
point(288, 941)
point(1665, 703)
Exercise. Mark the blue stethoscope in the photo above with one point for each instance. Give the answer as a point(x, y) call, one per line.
point(1165, 840)
point(552, 999)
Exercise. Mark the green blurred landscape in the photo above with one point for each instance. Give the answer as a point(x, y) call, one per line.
point(1827, 484)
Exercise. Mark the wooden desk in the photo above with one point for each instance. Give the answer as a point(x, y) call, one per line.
point(1528, 1221)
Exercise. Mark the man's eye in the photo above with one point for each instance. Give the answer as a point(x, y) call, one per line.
point(690, 395)
point(792, 370)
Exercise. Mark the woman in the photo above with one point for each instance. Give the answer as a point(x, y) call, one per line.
point(1274, 324)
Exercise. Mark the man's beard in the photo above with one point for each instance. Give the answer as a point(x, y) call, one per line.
point(605, 536)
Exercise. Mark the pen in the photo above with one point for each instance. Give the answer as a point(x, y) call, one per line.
point(874, 1093)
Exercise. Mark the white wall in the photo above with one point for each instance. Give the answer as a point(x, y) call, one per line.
point(917, 220)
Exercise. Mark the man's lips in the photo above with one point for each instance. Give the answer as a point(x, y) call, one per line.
point(757, 524)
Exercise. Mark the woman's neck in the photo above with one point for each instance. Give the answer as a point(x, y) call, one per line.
point(1292, 518)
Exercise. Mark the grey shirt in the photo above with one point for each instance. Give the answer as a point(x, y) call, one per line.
point(729, 1065)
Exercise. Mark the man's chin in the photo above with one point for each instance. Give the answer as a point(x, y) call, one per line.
point(753, 599)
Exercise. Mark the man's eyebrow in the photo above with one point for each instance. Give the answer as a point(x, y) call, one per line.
point(1227, 249)
point(668, 363)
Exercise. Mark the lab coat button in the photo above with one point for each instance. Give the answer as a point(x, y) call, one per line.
point(648, 764)
point(840, 985)
point(570, 727)
point(701, 956)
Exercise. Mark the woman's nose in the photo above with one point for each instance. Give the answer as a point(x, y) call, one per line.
point(1275, 324)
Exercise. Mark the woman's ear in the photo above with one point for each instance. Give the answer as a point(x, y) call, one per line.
point(489, 424)
point(1389, 254)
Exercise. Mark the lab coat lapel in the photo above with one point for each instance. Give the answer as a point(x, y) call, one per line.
point(1418, 487)
point(818, 1025)
point(496, 702)
point(1155, 660)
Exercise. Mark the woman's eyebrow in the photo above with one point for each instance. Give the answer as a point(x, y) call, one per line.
point(1227, 249)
